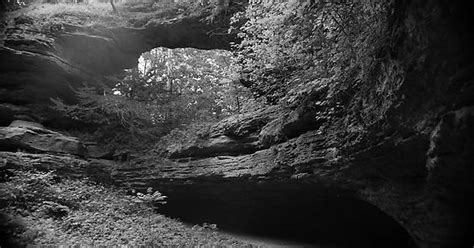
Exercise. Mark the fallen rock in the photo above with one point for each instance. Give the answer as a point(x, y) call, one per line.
point(31, 136)
point(26, 124)
point(64, 165)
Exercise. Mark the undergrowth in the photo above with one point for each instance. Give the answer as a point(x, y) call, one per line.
point(42, 209)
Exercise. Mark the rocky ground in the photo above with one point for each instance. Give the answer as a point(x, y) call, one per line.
point(53, 193)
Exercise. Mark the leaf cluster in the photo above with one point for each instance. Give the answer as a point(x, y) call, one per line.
point(329, 40)
point(168, 89)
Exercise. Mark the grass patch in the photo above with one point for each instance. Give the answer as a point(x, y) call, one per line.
point(43, 209)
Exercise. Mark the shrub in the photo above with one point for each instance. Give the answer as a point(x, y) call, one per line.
point(285, 40)
point(150, 198)
point(170, 88)
point(34, 211)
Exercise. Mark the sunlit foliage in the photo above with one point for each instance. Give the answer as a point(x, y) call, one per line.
point(327, 38)
point(168, 89)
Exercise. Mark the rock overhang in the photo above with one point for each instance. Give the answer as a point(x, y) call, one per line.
point(36, 66)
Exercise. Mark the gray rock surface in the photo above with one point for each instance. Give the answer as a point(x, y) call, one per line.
point(39, 64)
point(31, 136)
point(65, 165)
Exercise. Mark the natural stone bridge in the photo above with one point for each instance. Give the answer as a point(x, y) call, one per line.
point(415, 168)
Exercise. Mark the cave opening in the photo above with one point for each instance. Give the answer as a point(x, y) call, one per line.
point(197, 84)
point(288, 214)
point(177, 88)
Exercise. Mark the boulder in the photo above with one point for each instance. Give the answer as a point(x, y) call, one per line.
point(31, 136)
point(26, 124)
point(64, 165)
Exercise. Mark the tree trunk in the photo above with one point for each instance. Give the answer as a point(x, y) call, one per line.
point(113, 6)
point(238, 104)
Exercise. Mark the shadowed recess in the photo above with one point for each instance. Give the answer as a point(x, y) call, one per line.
point(305, 214)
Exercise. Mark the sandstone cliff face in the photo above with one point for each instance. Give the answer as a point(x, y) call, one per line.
point(39, 62)
point(29, 145)
point(422, 180)
point(400, 143)
point(411, 155)
point(31, 136)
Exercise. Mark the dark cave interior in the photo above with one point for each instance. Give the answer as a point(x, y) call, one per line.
point(287, 211)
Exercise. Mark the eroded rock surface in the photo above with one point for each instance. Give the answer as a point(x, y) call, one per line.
point(399, 143)
point(404, 146)
point(28, 145)
point(31, 136)
point(40, 63)
point(65, 165)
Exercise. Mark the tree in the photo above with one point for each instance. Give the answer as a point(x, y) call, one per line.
point(168, 89)
point(113, 6)
point(283, 39)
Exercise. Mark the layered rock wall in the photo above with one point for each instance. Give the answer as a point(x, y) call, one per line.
point(399, 141)
point(403, 144)
point(39, 63)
